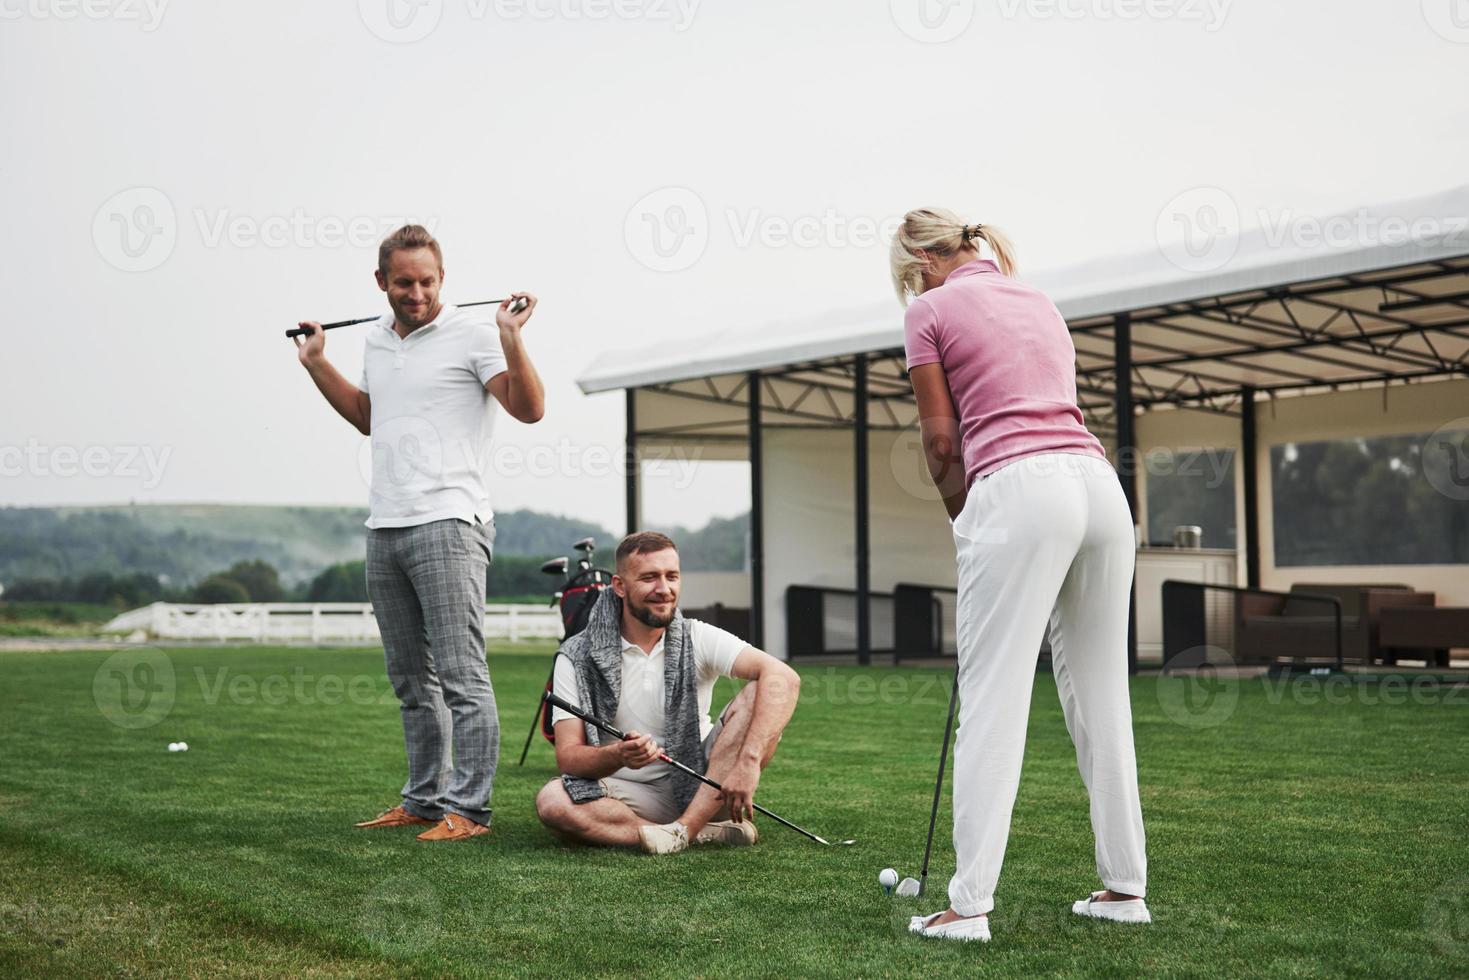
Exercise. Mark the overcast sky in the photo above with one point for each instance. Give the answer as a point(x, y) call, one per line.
point(183, 181)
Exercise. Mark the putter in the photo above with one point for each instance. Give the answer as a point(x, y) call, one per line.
point(515, 307)
point(590, 720)
point(938, 786)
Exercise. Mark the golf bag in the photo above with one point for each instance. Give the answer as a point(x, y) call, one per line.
point(576, 597)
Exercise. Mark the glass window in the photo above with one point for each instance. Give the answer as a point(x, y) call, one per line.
point(1191, 486)
point(1385, 500)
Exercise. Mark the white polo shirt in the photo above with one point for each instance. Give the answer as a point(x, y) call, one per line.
point(431, 417)
point(641, 706)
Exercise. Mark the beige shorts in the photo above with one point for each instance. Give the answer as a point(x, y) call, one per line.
point(653, 800)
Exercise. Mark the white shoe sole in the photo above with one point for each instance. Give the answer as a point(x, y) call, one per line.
point(1134, 910)
point(975, 930)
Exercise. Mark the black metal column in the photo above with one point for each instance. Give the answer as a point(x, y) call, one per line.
point(1127, 456)
point(757, 516)
point(631, 459)
point(864, 581)
point(1248, 448)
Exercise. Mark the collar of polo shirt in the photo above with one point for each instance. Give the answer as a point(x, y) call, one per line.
point(973, 268)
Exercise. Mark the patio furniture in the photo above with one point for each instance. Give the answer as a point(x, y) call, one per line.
point(1270, 625)
point(1423, 632)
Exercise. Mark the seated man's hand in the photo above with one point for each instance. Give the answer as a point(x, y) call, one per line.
point(637, 751)
point(739, 790)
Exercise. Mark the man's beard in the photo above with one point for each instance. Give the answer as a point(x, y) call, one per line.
point(415, 320)
point(646, 615)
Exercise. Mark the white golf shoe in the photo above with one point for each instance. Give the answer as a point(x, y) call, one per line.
point(1133, 910)
point(667, 838)
point(974, 929)
point(740, 833)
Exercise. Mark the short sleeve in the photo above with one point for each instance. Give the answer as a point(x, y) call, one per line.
point(715, 650)
point(564, 687)
point(486, 357)
point(921, 334)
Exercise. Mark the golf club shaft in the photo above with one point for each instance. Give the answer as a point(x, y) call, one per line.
point(302, 331)
point(564, 705)
point(938, 785)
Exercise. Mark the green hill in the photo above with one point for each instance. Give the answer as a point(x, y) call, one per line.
point(186, 542)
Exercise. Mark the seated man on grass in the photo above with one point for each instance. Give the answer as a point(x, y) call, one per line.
point(645, 669)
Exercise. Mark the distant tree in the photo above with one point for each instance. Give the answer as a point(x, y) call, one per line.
point(220, 588)
point(259, 578)
point(34, 590)
point(343, 582)
point(513, 575)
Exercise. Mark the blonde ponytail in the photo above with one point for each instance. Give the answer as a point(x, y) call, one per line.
point(940, 232)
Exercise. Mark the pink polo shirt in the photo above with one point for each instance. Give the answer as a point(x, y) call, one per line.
point(1009, 362)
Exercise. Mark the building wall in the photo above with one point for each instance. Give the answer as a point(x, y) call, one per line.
point(700, 589)
point(1404, 409)
point(809, 518)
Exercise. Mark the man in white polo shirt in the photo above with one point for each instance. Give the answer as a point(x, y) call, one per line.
point(649, 671)
point(425, 401)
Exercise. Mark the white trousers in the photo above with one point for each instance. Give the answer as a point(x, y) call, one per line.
point(1045, 542)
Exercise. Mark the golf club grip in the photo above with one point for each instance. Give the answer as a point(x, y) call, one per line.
point(303, 332)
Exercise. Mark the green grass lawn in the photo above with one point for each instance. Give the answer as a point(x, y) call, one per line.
point(1294, 831)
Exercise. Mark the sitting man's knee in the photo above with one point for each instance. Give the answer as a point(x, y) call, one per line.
point(553, 806)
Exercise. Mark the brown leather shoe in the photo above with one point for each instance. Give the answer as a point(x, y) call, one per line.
point(454, 827)
point(396, 817)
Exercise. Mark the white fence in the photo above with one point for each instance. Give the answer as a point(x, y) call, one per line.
point(310, 622)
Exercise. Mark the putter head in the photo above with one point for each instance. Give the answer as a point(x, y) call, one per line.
point(556, 566)
point(909, 888)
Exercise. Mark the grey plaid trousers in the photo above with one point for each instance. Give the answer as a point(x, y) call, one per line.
point(427, 586)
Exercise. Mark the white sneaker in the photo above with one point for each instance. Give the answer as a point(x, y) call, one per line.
point(1132, 910)
point(975, 929)
point(735, 834)
point(668, 838)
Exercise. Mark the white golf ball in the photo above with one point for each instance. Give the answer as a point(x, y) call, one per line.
point(887, 878)
point(183, 746)
point(173, 746)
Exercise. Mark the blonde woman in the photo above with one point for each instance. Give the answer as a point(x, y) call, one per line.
point(1045, 546)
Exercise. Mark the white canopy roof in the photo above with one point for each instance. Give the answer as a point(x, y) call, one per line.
point(1417, 232)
